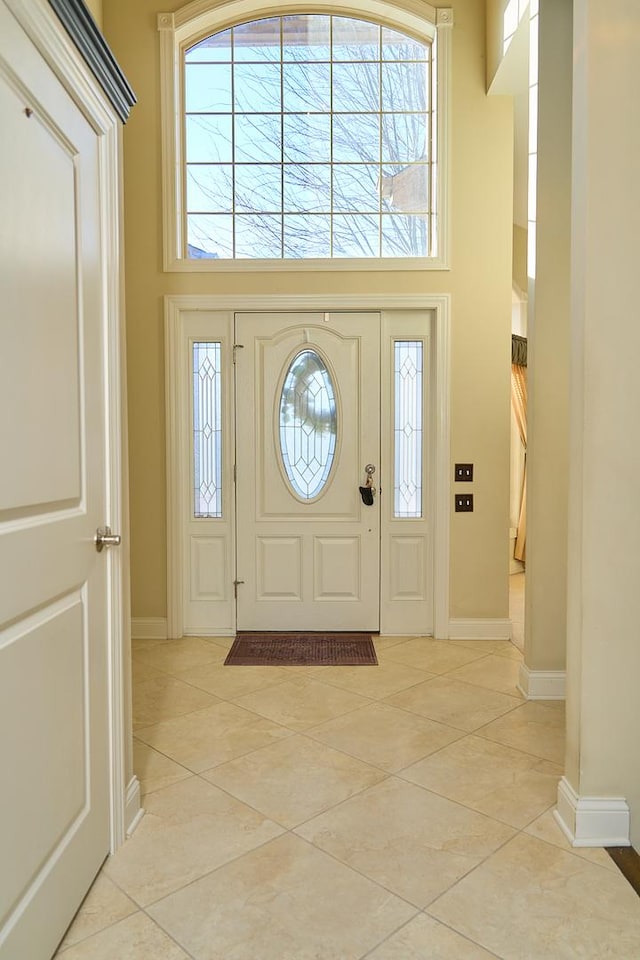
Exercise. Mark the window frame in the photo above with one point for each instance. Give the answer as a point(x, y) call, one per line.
point(201, 18)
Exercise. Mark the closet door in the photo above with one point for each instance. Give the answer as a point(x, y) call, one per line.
point(54, 584)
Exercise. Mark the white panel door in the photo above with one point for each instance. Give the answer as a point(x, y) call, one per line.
point(308, 423)
point(54, 744)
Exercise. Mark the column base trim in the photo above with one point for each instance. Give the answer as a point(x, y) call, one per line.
point(542, 684)
point(592, 821)
point(466, 629)
point(149, 628)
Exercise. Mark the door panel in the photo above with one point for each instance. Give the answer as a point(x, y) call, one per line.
point(54, 806)
point(308, 564)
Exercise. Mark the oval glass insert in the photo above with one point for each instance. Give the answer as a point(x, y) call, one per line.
point(308, 424)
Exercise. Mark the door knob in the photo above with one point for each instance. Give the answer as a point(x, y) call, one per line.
point(368, 491)
point(104, 538)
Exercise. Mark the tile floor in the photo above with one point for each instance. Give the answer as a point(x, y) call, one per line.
point(402, 812)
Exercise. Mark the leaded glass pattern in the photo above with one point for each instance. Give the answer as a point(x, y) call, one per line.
point(308, 424)
point(207, 430)
point(408, 428)
point(309, 136)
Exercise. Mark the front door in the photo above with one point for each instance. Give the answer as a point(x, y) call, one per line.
point(54, 707)
point(308, 427)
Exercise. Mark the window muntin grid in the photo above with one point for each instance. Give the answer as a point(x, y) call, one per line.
point(309, 136)
point(308, 424)
point(207, 430)
point(408, 428)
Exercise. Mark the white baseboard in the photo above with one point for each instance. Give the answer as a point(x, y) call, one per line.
point(149, 628)
point(592, 821)
point(542, 684)
point(133, 812)
point(464, 629)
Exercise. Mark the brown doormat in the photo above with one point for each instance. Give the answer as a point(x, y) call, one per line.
point(302, 649)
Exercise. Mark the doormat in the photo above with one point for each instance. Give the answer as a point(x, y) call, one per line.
point(302, 649)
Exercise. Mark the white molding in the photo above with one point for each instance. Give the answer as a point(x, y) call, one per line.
point(307, 265)
point(439, 305)
point(177, 30)
point(268, 303)
point(193, 14)
point(442, 455)
point(117, 512)
point(149, 628)
point(208, 632)
point(174, 389)
point(542, 684)
point(468, 629)
point(133, 809)
point(592, 821)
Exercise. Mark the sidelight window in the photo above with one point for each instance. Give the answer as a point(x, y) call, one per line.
point(207, 430)
point(408, 431)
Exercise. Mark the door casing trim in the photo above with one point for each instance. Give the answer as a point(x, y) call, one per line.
point(439, 304)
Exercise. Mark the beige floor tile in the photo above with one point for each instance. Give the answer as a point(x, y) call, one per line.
point(154, 770)
point(301, 702)
point(174, 656)
point(189, 829)
point(493, 672)
point(211, 736)
point(433, 656)
point(533, 901)
point(224, 642)
point(231, 682)
point(164, 698)
point(424, 938)
point(370, 681)
point(501, 648)
point(407, 839)
point(517, 636)
point(104, 905)
point(461, 705)
point(138, 645)
point(535, 727)
point(385, 736)
point(285, 901)
point(137, 938)
point(546, 828)
point(384, 643)
point(503, 783)
point(143, 671)
point(292, 781)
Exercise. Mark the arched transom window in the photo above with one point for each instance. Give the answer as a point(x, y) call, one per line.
point(305, 137)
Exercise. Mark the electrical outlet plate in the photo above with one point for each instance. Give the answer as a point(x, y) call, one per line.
point(463, 472)
point(464, 502)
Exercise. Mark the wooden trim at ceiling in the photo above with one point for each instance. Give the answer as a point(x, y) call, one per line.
point(82, 28)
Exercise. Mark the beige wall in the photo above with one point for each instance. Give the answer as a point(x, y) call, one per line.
point(520, 257)
point(95, 6)
point(548, 370)
point(479, 283)
point(495, 12)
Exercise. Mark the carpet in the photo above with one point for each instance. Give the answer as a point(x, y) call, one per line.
point(302, 649)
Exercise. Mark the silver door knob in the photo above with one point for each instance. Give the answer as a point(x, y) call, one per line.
point(104, 538)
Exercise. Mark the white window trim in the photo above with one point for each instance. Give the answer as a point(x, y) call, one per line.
point(203, 17)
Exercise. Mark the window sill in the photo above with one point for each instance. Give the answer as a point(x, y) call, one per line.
point(387, 264)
